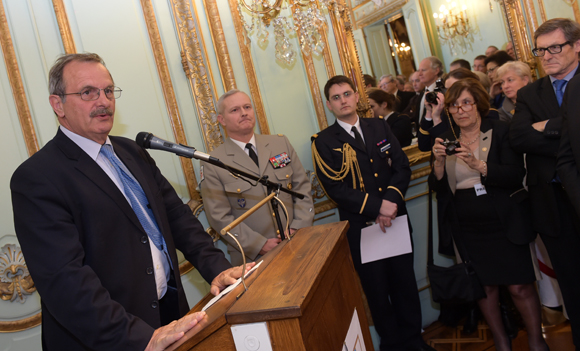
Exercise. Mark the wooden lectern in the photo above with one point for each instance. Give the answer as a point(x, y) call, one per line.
point(306, 290)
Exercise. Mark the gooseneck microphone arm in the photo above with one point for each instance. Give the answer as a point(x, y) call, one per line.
point(150, 141)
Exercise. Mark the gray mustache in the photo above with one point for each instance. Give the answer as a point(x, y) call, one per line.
point(102, 111)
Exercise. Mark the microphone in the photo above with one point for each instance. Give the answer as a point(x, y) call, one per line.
point(150, 141)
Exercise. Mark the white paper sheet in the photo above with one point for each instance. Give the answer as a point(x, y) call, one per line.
point(354, 339)
point(229, 288)
point(376, 245)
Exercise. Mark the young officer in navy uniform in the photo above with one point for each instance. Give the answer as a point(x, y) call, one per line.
point(362, 168)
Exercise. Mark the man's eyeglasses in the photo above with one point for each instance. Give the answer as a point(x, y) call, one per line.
point(552, 49)
point(346, 95)
point(465, 107)
point(92, 93)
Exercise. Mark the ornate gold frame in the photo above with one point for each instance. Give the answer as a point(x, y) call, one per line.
point(64, 27)
point(219, 44)
point(249, 68)
point(16, 84)
point(348, 53)
point(513, 13)
point(197, 72)
point(169, 95)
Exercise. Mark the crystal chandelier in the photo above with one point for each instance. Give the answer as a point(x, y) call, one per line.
point(453, 28)
point(308, 24)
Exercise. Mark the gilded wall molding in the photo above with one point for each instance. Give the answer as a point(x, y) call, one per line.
point(530, 11)
point(219, 44)
point(244, 43)
point(374, 16)
point(348, 53)
point(16, 85)
point(64, 27)
point(197, 73)
point(513, 13)
point(15, 285)
point(169, 94)
point(542, 11)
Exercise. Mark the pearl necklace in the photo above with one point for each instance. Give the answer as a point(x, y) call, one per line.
point(470, 142)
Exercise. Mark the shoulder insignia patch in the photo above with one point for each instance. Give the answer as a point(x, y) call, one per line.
point(280, 135)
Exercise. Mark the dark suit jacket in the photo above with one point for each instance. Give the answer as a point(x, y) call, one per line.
point(401, 127)
point(383, 179)
point(569, 152)
point(504, 183)
point(537, 102)
point(413, 109)
point(87, 252)
point(404, 99)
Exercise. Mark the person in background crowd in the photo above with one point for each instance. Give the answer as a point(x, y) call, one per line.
point(492, 63)
point(383, 106)
point(389, 84)
point(430, 70)
point(490, 50)
point(412, 109)
point(401, 80)
point(479, 193)
point(409, 87)
point(513, 76)
point(479, 64)
point(535, 130)
point(509, 48)
point(459, 63)
point(370, 81)
point(484, 79)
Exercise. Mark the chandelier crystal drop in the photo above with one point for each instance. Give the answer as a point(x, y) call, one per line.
point(303, 19)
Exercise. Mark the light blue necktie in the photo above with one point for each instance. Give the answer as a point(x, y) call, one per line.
point(559, 85)
point(137, 198)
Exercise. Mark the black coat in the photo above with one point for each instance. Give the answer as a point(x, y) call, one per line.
point(386, 174)
point(400, 125)
point(504, 183)
point(404, 98)
point(537, 102)
point(87, 252)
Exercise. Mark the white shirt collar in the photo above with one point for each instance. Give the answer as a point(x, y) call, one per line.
point(348, 127)
point(92, 148)
point(243, 145)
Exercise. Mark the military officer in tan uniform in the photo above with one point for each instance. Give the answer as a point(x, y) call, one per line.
point(226, 197)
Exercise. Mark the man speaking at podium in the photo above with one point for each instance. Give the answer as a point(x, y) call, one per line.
point(99, 226)
point(226, 197)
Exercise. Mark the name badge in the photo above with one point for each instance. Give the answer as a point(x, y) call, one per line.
point(480, 189)
point(281, 160)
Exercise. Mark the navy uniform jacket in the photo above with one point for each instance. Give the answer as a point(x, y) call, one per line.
point(384, 168)
point(87, 252)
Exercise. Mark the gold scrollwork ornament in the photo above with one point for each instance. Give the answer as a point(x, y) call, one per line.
point(15, 280)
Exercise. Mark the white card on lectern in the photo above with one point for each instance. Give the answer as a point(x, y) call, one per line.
point(354, 339)
point(376, 245)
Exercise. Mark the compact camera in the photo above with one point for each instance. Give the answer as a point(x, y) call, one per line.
point(451, 147)
point(431, 96)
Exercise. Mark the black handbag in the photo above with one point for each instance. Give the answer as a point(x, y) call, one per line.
point(456, 284)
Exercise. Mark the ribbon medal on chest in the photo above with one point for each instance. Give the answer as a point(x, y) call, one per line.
point(280, 160)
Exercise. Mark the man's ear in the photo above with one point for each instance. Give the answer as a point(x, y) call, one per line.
point(220, 119)
point(328, 105)
point(56, 103)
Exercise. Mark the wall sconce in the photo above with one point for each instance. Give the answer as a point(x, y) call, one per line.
point(453, 28)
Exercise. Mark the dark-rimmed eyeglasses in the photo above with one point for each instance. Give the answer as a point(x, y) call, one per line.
point(92, 93)
point(552, 49)
point(465, 107)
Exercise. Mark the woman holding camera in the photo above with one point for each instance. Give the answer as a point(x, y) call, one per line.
point(482, 208)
